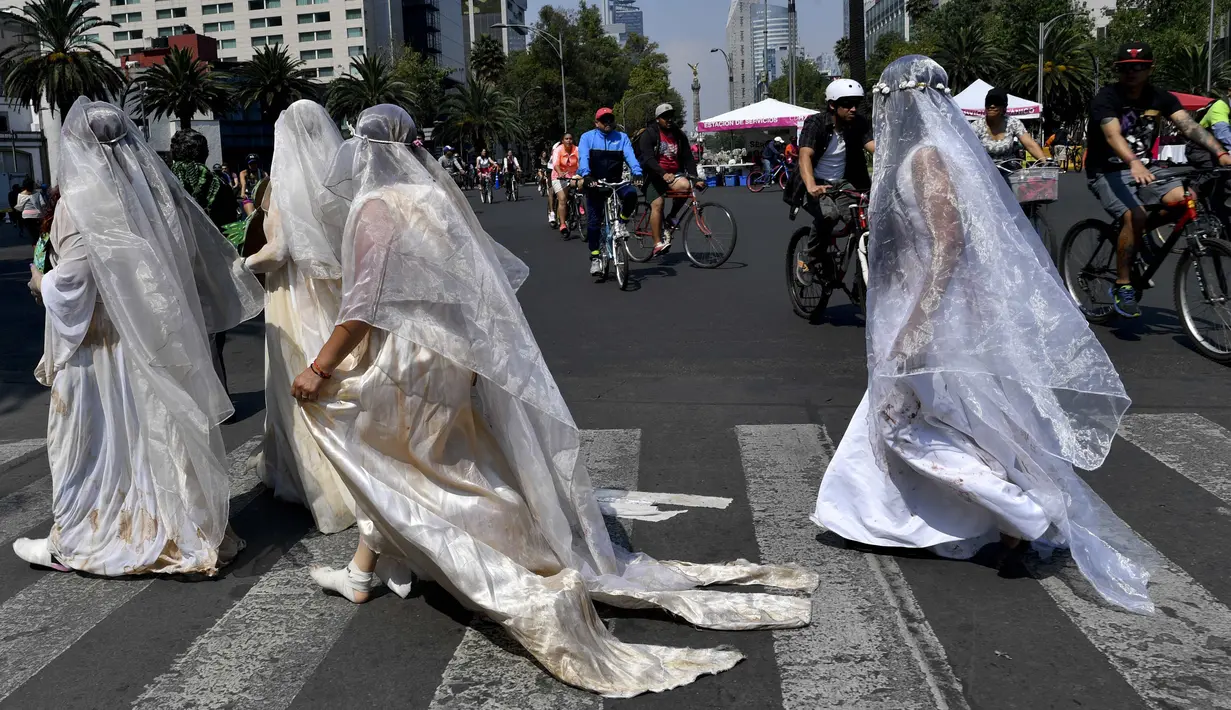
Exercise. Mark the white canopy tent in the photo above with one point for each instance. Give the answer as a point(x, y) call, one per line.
point(971, 102)
point(769, 113)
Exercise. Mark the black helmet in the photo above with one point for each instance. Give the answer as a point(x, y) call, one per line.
point(217, 166)
point(253, 157)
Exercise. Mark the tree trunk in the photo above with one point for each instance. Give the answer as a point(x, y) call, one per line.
point(186, 121)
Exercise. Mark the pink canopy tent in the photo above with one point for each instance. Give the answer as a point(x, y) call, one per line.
point(769, 113)
point(1191, 102)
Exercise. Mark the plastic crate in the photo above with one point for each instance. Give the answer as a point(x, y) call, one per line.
point(1036, 184)
point(711, 181)
point(743, 181)
point(731, 180)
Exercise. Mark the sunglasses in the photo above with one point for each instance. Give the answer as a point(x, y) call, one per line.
point(668, 117)
point(848, 103)
point(1131, 68)
point(994, 107)
point(607, 120)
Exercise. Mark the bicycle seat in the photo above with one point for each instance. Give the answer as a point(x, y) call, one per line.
point(678, 194)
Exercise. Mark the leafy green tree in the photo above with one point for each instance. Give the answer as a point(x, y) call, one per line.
point(426, 81)
point(274, 79)
point(1170, 26)
point(1068, 74)
point(372, 81)
point(842, 50)
point(1186, 72)
point(649, 84)
point(57, 56)
point(487, 60)
point(919, 9)
point(810, 85)
point(969, 54)
point(183, 86)
point(478, 113)
point(889, 46)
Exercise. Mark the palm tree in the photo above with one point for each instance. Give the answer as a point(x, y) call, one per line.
point(1185, 72)
point(274, 79)
point(57, 56)
point(371, 81)
point(1068, 77)
point(184, 86)
point(487, 59)
point(479, 113)
point(969, 54)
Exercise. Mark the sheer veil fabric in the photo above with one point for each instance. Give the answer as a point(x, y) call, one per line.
point(303, 292)
point(138, 463)
point(493, 500)
point(971, 334)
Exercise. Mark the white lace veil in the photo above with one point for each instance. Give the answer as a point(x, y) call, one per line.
point(962, 287)
point(166, 275)
point(305, 141)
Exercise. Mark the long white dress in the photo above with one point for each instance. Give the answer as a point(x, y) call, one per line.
point(462, 458)
point(128, 490)
point(299, 315)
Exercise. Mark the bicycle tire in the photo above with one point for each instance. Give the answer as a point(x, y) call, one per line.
point(806, 302)
point(859, 287)
point(782, 179)
point(706, 229)
point(620, 265)
point(756, 181)
point(640, 244)
point(1043, 229)
point(1216, 280)
point(1089, 280)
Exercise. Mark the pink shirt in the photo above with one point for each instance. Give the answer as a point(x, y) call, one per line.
point(564, 162)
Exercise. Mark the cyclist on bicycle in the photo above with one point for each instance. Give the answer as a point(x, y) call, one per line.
point(601, 156)
point(668, 163)
point(830, 161)
point(484, 165)
point(565, 160)
point(771, 155)
point(551, 195)
point(511, 169)
point(452, 165)
point(1125, 121)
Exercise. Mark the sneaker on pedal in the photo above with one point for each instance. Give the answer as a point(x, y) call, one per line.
point(596, 264)
point(564, 229)
point(1126, 300)
point(551, 219)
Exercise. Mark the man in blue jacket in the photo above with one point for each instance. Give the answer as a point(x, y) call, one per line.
point(602, 154)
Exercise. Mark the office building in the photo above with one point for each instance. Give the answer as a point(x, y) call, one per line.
point(23, 149)
point(757, 32)
point(434, 28)
point(479, 16)
point(622, 18)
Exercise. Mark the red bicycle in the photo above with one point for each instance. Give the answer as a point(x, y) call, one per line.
point(810, 284)
point(708, 231)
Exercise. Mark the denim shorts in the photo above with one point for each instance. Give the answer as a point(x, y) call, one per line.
point(1118, 194)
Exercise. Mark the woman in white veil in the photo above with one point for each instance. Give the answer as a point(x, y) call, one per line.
point(485, 495)
point(986, 386)
point(141, 278)
point(303, 291)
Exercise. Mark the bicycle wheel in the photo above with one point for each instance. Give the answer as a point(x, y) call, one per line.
point(620, 262)
point(712, 242)
point(757, 181)
point(640, 243)
point(782, 178)
point(1203, 297)
point(859, 285)
point(808, 294)
point(1088, 265)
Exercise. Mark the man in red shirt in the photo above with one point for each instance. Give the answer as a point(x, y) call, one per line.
point(669, 166)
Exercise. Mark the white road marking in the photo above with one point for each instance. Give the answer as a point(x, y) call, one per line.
point(643, 505)
point(869, 645)
point(43, 620)
point(489, 670)
point(15, 453)
point(262, 651)
point(1179, 657)
point(1189, 444)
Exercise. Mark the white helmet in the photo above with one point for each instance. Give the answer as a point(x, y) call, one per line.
point(778, 140)
point(843, 88)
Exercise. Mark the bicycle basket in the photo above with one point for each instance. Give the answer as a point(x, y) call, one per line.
point(1036, 184)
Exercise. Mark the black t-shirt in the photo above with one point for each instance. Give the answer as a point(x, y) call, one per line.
point(817, 131)
point(1140, 122)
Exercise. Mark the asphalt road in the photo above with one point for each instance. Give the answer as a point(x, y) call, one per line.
point(695, 382)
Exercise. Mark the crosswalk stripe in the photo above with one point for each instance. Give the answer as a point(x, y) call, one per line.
point(869, 644)
point(15, 453)
point(24, 508)
point(1189, 444)
point(43, 620)
point(1175, 658)
point(262, 651)
point(489, 670)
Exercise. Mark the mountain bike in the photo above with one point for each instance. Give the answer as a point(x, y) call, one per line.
point(758, 180)
point(810, 285)
point(708, 245)
point(485, 186)
point(510, 186)
point(1202, 287)
point(614, 253)
point(1034, 187)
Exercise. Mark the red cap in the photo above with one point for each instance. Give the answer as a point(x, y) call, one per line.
point(603, 112)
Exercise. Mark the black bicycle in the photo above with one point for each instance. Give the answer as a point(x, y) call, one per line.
point(811, 284)
point(510, 186)
point(1202, 274)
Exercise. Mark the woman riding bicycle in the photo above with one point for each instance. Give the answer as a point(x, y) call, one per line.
point(485, 166)
point(997, 130)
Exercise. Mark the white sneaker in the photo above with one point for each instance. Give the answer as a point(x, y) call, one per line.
point(37, 552)
point(596, 266)
point(551, 218)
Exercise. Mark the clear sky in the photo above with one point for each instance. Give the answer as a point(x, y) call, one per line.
point(687, 30)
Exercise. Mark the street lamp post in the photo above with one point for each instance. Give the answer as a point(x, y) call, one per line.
point(1044, 29)
point(557, 44)
point(1209, 54)
point(730, 79)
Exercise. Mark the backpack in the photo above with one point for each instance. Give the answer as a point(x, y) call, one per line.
point(636, 140)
